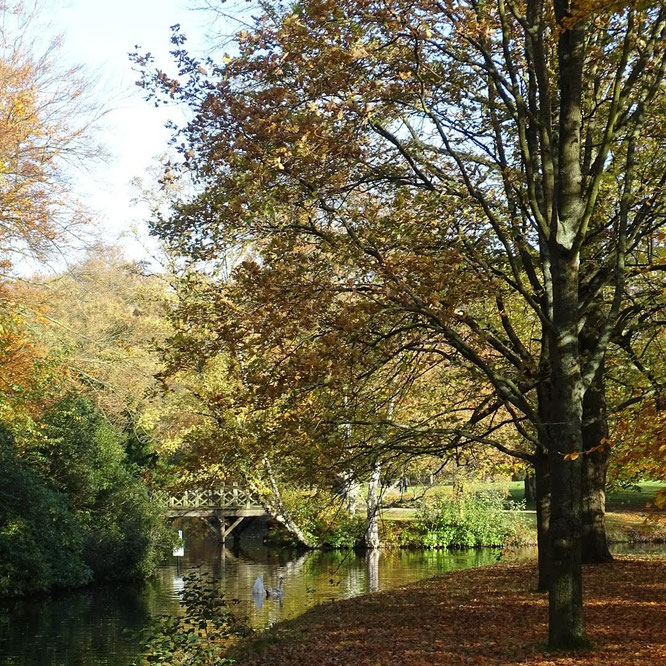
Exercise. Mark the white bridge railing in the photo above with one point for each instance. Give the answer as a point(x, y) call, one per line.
point(223, 497)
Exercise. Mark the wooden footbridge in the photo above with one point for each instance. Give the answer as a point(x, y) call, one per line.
point(223, 508)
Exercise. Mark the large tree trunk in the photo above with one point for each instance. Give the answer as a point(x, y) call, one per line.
point(372, 505)
point(595, 466)
point(565, 590)
point(566, 626)
point(542, 492)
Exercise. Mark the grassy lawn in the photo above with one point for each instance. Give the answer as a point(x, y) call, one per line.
point(634, 499)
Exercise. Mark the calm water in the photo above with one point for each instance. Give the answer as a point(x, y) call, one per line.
point(87, 628)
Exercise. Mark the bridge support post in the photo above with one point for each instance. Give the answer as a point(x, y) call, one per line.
point(233, 525)
point(216, 526)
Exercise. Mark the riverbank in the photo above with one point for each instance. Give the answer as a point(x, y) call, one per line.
point(489, 615)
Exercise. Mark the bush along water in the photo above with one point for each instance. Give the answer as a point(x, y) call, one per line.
point(41, 541)
point(200, 635)
point(466, 521)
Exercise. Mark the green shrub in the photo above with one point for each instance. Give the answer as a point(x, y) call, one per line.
point(84, 457)
point(346, 532)
point(467, 521)
point(127, 538)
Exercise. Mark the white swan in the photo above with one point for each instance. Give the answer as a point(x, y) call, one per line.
point(259, 588)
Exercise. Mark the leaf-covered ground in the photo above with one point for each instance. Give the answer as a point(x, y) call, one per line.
point(482, 616)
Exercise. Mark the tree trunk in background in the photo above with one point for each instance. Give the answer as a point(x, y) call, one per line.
point(542, 493)
point(459, 488)
point(595, 466)
point(595, 540)
point(530, 486)
point(350, 491)
point(372, 505)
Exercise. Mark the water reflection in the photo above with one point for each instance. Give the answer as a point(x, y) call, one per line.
point(313, 577)
point(372, 566)
point(86, 628)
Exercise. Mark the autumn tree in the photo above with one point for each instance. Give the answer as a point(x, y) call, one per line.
point(31, 373)
point(637, 420)
point(440, 151)
point(107, 316)
point(45, 119)
point(265, 385)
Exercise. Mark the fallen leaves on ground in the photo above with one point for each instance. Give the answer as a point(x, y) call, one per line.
point(483, 616)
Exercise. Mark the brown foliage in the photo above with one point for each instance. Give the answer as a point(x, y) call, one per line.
point(485, 616)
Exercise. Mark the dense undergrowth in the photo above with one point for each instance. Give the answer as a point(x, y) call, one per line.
point(468, 521)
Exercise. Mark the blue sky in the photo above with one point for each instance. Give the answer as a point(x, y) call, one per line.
point(99, 34)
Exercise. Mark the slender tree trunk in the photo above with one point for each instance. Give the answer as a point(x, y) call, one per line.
point(350, 491)
point(372, 505)
point(459, 488)
point(595, 466)
point(595, 463)
point(275, 507)
point(542, 492)
point(374, 499)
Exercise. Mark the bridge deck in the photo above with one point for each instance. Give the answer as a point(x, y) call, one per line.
point(214, 512)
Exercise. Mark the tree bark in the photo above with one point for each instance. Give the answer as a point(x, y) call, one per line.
point(566, 626)
point(372, 504)
point(565, 590)
point(349, 490)
point(542, 492)
point(595, 467)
